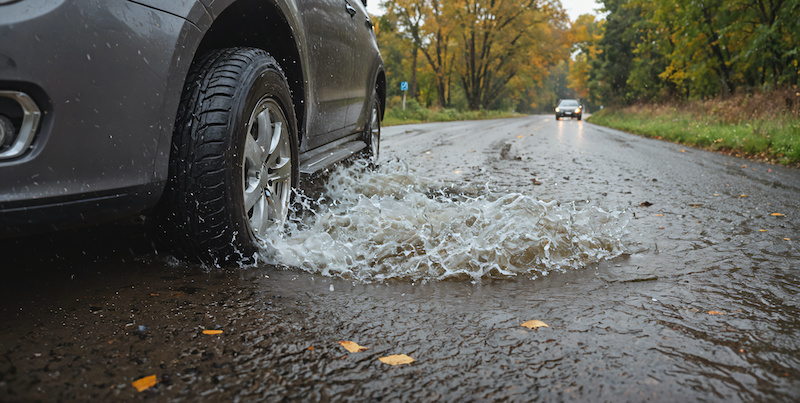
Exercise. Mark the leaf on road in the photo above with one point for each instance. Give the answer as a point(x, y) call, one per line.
point(396, 359)
point(715, 313)
point(145, 383)
point(659, 215)
point(353, 347)
point(777, 215)
point(742, 196)
point(646, 204)
point(534, 324)
point(762, 230)
point(787, 239)
point(212, 332)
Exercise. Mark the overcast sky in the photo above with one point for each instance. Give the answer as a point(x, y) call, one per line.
point(574, 7)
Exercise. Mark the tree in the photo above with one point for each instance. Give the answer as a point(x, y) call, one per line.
point(585, 34)
point(652, 49)
point(427, 24)
point(494, 36)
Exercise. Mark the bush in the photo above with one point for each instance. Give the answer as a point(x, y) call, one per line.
point(416, 113)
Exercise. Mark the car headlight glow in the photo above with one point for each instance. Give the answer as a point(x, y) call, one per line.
point(557, 110)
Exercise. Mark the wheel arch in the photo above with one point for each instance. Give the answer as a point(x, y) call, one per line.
point(380, 86)
point(265, 25)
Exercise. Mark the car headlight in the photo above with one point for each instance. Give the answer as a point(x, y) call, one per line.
point(557, 110)
point(578, 110)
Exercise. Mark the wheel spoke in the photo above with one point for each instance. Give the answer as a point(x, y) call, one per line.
point(276, 145)
point(281, 171)
point(260, 215)
point(255, 190)
point(264, 129)
point(277, 204)
point(254, 153)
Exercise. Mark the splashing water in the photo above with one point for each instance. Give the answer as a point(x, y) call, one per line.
point(390, 223)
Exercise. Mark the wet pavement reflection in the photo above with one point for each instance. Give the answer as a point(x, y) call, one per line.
point(701, 303)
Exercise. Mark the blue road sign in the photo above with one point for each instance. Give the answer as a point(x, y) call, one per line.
point(404, 86)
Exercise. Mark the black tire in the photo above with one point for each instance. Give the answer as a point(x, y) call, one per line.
point(233, 162)
point(556, 117)
point(372, 131)
point(579, 117)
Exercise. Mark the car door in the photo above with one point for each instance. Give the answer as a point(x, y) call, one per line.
point(365, 50)
point(330, 58)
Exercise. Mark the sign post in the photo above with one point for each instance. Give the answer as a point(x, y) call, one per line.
point(404, 88)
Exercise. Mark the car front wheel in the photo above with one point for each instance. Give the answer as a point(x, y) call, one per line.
point(372, 132)
point(233, 161)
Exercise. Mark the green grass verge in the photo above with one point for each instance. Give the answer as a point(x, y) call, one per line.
point(418, 114)
point(776, 140)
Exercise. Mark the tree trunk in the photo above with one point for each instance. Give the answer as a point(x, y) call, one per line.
point(412, 86)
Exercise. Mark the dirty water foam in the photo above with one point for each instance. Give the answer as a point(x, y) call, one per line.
point(390, 223)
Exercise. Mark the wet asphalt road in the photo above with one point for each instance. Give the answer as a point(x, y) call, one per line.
point(703, 306)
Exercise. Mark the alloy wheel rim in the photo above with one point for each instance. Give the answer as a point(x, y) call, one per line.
point(267, 168)
point(375, 134)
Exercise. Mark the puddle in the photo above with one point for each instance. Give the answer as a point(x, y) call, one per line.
point(393, 223)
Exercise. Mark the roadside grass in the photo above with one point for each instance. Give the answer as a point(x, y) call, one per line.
point(759, 126)
point(416, 113)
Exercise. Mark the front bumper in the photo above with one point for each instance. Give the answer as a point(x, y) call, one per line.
point(568, 113)
point(106, 79)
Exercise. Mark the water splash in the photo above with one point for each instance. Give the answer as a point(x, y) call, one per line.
point(390, 223)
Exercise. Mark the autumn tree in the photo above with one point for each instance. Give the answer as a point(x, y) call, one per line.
point(493, 36)
point(428, 26)
point(585, 33)
point(654, 49)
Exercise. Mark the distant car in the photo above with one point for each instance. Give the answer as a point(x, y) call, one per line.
point(202, 113)
point(568, 108)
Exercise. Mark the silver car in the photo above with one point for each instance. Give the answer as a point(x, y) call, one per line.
point(201, 113)
point(570, 108)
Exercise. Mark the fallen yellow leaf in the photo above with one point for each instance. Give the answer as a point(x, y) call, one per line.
point(715, 313)
point(762, 230)
point(742, 196)
point(396, 359)
point(659, 215)
point(519, 137)
point(353, 347)
point(787, 239)
point(534, 324)
point(777, 215)
point(212, 332)
point(145, 383)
